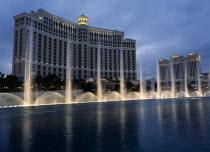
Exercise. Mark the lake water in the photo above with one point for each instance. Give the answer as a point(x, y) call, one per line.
point(126, 126)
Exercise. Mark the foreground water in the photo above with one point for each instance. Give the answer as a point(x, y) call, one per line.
point(129, 126)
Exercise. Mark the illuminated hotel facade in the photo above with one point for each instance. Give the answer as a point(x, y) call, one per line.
point(192, 63)
point(50, 37)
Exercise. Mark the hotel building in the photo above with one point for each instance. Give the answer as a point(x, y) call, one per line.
point(192, 63)
point(49, 40)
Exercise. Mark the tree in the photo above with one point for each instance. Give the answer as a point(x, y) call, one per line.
point(117, 87)
point(11, 83)
point(89, 87)
point(78, 83)
point(129, 86)
point(1, 81)
point(52, 82)
point(38, 82)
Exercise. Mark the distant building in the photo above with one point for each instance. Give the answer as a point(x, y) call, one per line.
point(52, 34)
point(164, 70)
point(153, 84)
point(205, 77)
point(193, 66)
point(178, 63)
point(205, 81)
point(192, 63)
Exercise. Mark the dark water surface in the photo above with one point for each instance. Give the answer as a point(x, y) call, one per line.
point(130, 126)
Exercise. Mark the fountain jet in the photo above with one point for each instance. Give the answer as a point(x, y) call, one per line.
point(158, 81)
point(99, 86)
point(186, 81)
point(68, 73)
point(28, 68)
point(142, 90)
point(198, 80)
point(122, 91)
point(209, 79)
point(172, 81)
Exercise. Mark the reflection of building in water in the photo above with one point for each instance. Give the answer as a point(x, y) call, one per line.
point(20, 134)
point(159, 116)
point(27, 131)
point(200, 106)
point(68, 127)
point(99, 123)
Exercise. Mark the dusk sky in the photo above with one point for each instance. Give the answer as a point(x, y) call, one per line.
point(161, 27)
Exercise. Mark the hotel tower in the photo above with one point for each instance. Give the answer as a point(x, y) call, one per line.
point(49, 39)
point(192, 63)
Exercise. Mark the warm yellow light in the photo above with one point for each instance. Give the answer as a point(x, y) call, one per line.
point(175, 56)
point(82, 20)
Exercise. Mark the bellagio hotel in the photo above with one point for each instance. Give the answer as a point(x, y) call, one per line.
point(49, 49)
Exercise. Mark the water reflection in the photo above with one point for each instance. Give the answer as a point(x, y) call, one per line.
point(26, 129)
point(68, 127)
point(99, 122)
point(122, 119)
point(180, 125)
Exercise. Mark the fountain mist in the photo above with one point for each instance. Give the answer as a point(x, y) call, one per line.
point(198, 80)
point(68, 73)
point(28, 69)
point(122, 91)
point(142, 90)
point(158, 81)
point(153, 84)
point(99, 86)
point(186, 80)
point(172, 80)
point(209, 79)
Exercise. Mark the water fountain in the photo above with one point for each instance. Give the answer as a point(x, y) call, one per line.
point(7, 99)
point(166, 94)
point(209, 79)
point(186, 80)
point(158, 81)
point(207, 94)
point(172, 80)
point(86, 97)
point(141, 82)
point(51, 98)
point(133, 96)
point(199, 80)
point(99, 86)
point(114, 96)
point(122, 91)
point(68, 72)
point(28, 68)
point(151, 95)
point(153, 84)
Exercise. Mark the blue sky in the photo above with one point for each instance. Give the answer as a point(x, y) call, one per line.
point(161, 27)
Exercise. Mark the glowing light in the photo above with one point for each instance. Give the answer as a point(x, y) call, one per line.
point(82, 20)
point(175, 56)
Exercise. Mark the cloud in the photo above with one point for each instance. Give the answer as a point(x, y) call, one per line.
point(161, 28)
